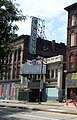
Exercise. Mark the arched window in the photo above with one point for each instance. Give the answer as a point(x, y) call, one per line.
point(72, 20)
point(72, 62)
point(14, 73)
point(48, 74)
point(19, 52)
point(10, 58)
point(15, 55)
point(9, 74)
point(18, 72)
point(72, 39)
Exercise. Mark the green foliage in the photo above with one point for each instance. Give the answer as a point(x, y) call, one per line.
point(9, 14)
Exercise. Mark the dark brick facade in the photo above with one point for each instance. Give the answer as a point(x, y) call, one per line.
point(45, 48)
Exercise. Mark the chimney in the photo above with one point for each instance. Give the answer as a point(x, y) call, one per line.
point(53, 45)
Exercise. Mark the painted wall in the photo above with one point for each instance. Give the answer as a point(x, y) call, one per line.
point(8, 91)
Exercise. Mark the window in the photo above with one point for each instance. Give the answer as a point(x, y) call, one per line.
point(14, 73)
point(52, 73)
point(10, 58)
point(6, 75)
point(38, 77)
point(7, 59)
point(72, 62)
point(9, 74)
point(72, 20)
point(18, 72)
point(76, 62)
point(56, 73)
point(71, 65)
point(72, 39)
point(48, 73)
point(15, 54)
point(76, 65)
point(19, 52)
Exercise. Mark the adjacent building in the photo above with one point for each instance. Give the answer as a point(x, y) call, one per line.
point(55, 78)
point(71, 54)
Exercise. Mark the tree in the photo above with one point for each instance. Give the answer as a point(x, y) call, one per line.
point(9, 14)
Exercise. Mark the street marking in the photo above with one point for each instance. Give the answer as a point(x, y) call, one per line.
point(56, 110)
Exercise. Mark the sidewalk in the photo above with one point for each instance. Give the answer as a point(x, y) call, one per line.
point(44, 106)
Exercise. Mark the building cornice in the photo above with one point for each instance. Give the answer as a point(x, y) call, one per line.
point(71, 7)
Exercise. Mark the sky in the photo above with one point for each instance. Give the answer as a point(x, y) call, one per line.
point(53, 14)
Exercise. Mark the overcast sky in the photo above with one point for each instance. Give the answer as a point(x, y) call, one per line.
point(52, 12)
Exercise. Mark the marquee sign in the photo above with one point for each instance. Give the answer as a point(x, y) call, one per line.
point(33, 69)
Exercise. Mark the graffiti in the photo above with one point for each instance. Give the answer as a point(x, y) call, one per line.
point(71, 79)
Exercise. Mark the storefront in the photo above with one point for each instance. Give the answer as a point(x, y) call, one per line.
point(71, 86)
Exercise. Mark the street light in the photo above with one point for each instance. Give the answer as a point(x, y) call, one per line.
point(65, 71)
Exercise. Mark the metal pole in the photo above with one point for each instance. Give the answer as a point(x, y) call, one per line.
point(41, 68)
point(41, 79)
point(39, 97)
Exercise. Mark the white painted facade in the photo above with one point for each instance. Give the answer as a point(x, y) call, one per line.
point(54, 81)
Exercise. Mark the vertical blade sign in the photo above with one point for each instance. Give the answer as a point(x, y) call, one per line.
point(33, 38)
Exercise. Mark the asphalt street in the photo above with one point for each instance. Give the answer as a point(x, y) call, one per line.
point(20, 114)
point(44, 106)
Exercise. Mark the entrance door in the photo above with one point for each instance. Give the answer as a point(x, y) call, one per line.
point(72, 93)
point(34, 95)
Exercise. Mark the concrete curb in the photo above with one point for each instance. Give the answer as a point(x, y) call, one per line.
point(26, 107)
point(40, 109)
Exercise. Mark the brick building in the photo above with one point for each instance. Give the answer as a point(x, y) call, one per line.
point(71, 54)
